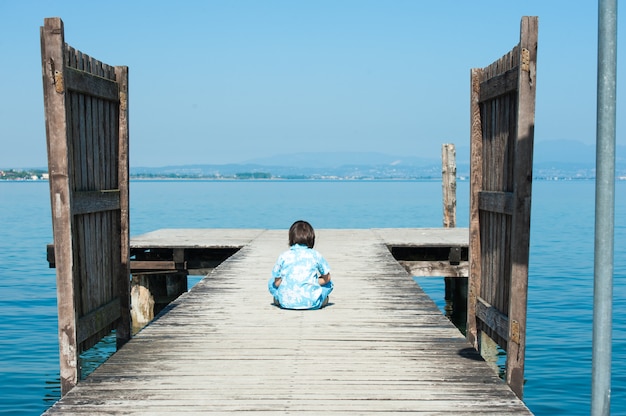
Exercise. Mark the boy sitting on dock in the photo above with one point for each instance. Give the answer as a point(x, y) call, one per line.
point(301, 276)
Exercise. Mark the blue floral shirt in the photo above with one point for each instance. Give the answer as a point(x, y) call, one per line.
point(299, 268)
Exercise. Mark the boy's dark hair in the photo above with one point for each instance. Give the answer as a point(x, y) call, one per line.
point(301, 232)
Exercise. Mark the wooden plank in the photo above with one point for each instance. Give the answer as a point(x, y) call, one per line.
point(97, 319)
point(121, 271)
point(380, 346)
point(476, 186)
point(227, 238)
point(520, 241)
point(423, 237)
point(136, 265)
point(92, 85)
point(196, 238)
point(80, 158)
point(52, 46)
point(501, 202)
point(89, 202)
point(499, 85)
point(435, 268)
point(493, 318)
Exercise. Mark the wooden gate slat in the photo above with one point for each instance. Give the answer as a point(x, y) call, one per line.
point(96, 201)
point(89, 84)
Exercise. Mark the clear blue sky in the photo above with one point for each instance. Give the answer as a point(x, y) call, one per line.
point(228, 81)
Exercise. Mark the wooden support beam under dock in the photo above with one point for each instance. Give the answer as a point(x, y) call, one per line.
point(381, 345)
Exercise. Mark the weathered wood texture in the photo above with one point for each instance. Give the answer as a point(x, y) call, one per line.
point(380, 347)
point(87, 139)
point(502, 132)
point(448, 178)
point(162, 259)
point(452, 240)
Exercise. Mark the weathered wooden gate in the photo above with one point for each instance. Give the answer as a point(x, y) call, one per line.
point(502, 134)
point(87, 137)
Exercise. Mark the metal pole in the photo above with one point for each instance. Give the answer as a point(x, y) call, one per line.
point(605, 209)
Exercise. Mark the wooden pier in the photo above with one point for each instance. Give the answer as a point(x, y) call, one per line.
point(381, 346)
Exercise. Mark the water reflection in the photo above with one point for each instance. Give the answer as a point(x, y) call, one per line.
point(456, 301)
point(52, 390)
point(96, 355)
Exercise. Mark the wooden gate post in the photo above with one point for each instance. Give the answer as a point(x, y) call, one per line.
point(520, 242)
point(52, 48)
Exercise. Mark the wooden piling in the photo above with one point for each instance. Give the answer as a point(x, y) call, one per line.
point(448, 162)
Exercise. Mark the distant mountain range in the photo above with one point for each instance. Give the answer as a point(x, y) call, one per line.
point(331, 165)
point(554, 159)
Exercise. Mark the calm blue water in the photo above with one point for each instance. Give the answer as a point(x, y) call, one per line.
point(558, 357)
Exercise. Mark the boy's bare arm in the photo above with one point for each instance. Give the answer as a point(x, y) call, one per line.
point(324, 279)
point(277, 281)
